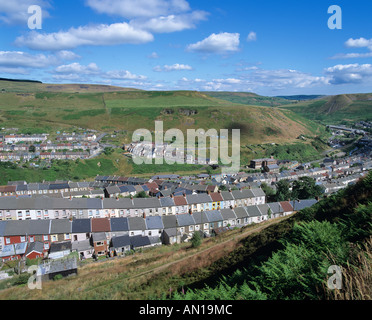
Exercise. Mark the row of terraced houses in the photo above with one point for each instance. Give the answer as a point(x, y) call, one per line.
point(115, 236)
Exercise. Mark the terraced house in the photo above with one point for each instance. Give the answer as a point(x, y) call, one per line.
point(40, 208)
point(104, 236)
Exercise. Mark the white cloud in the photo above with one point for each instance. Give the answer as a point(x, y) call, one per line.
point(174, 67)
point(349, 73)
point(170, 23)
point(217, 43)
point(77, 68)
point(359, 43)
point(123, 75)
point(139, 8)
point(99, 35)
point(77, 72)
point(252, 36)
point(16, 11)
point(153, 55)
point(356, 43)
point(20, 59)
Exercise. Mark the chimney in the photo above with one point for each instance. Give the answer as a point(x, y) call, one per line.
point(184, 194)
point(190, 212)
point(144, 215)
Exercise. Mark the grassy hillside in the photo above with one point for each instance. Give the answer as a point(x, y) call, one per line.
point(343, 108)
point(35, 86)
point(34, 109)
point(249, 98)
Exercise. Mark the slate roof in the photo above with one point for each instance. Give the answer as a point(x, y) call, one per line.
point(227, 195)
point(167, 202)
point(302, 204)
point(184, 220)
point(228, 214)
point(120, 241)
point(275, 207)
point(81, 245)
point(99, 236)
point(139, 241)
point(35, 246)
point(264, 209)
point(200, 217)
point(60, 226)
point(214, 215)
point(169, 222)
point(154, 222)
point(136, 223)
point(253, 211)
point(119, 224)
point(240, 212)
point(39, 227)
point(60, 246)
point(16, 228)
point(81, 226)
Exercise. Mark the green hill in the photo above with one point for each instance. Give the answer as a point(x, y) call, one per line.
point(336, 109)
point(249, 98)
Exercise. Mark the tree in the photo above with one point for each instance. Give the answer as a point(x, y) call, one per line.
point(269, 192)
point(196, 240)
point(282, 193)
point(141, 194)
point(305, 188)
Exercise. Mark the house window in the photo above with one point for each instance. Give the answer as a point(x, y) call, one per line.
point(56, 213)
point(54, 238)
point(182, 229)
point(99, 243)
point(23, 239)
point(97, 212)
point(205, 225)
point(7, 240)
point(67, 236)
point(191, 228)
point(46, 213)
point(32, 239)
point(90, 213)
point(197, 227)
point(46, 246)
point(38, 213)
point(45, 238)
point(132, 233)
point(27, 213)
point(150, 233)
point(19, 214)
point(81, 212)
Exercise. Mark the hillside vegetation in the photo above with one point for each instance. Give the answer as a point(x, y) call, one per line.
point(294, 263)
point(337, 109)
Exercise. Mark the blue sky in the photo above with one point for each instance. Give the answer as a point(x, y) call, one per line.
point(268, 47)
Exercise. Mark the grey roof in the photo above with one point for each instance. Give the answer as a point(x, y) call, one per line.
point(99, 236)
point(200, 217)
point(81, 245)
point(39, 227)
point(119, 224)
point(275, 207)
point(172, 232)
point(60, 246)
point(81, 226)
point(253, 211)
point(60, 226)
point(136, 223)
point(154, 222)
point(258, 192)
point(146, 203)
point(13, 249)
point(227, 195)
point(198, 198)
point(169, 222)
point(35, 246)
point(301, 204)
point(264, 209)
point(228, 214)
point(2, 227)
point(214, 215)
point(240, 212)
point(140, 241)
point(167, 202)
point(185, 220)
point(121, 203)
point(16, 228)
point(120, 241)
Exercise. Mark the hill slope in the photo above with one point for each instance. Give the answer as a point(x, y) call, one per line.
point(336, 109)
